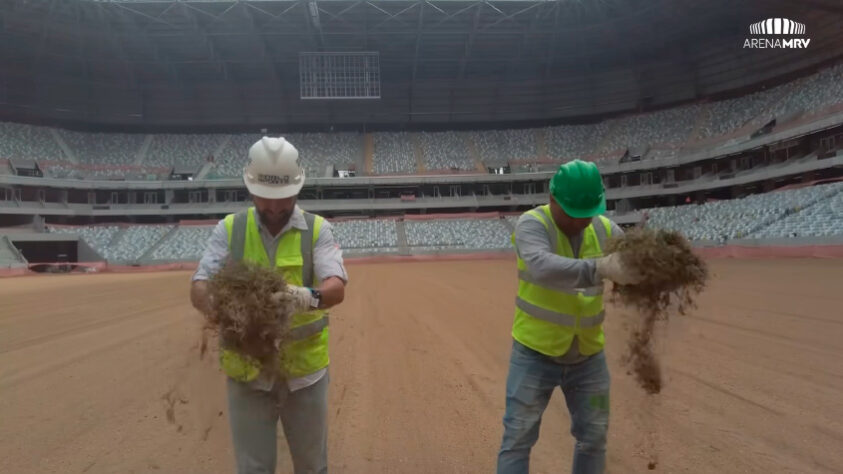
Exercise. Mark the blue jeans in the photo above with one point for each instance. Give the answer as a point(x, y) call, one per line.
point(254, 416)
point(531, 381)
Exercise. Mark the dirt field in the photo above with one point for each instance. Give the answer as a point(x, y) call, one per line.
point(90, 366)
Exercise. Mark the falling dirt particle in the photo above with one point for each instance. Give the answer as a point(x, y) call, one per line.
point(180, 428)
point(203, 347)
point(170, 399)
point(219, 414)
point(651, 465)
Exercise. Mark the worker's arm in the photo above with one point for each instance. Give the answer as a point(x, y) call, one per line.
point(544, 265)
point(329, 270)
point(333, 292)
point(199, 296)
point(215, 254)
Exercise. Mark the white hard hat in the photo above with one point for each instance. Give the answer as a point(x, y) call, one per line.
point(273, 171)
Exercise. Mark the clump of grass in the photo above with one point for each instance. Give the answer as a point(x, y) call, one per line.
point(246, 316)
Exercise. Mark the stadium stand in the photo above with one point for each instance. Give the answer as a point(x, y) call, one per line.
point(183, 150)
point(8, 257)
point(498, 147)
point(185, 243)
point(823, 218)
point(375, 235)
point(393, 153)
point(116, 243)
point(446, 151)
point(98, 237)
point(739, 218)
point(316, 150)
point(232, 158)
point(28, 142)
point(728, 115)
point(458, 234)
point(113, 155)
point(666, 127)
point(320, 150)
point(569, 142)
point(134, 242)
point(119, 149)
point(812, 93)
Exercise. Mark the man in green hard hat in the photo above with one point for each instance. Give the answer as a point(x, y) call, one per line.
point(558, 327)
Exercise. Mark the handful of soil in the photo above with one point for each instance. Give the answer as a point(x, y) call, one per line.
point(246, 317)
point(672, 277)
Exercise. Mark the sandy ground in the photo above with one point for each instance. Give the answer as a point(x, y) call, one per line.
point(90, 366)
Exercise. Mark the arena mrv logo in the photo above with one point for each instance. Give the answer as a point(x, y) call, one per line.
point(777, 32)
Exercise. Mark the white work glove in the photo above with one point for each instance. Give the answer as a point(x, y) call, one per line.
point(296, 298)
point(612, 268)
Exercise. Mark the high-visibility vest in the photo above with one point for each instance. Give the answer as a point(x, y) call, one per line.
point(307, 350)
point(547, 316)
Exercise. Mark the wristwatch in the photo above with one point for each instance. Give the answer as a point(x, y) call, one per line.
point(316, 298)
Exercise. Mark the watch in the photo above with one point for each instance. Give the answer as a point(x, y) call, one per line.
point(316, 298)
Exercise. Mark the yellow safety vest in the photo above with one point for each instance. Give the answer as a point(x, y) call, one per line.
point(548, 319)
point(307, 352)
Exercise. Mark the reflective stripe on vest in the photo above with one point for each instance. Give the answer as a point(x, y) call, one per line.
point(554, 317)
point(309, 329)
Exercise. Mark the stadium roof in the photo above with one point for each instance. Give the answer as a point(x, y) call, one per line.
point(228, 62)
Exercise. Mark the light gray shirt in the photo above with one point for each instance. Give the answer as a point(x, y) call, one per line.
point(554, 271)
point(327, 262)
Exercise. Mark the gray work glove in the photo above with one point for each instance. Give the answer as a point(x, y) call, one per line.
point(612, 267)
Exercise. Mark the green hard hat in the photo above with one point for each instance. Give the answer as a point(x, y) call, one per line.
point(578, 188)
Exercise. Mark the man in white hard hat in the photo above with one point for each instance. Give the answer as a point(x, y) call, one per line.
point(277, 233)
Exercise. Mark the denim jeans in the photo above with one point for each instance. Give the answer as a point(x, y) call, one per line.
point(254, 415)
point(531, 381)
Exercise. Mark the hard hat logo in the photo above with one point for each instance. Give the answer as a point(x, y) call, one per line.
point(274, 170)
point(272, 179)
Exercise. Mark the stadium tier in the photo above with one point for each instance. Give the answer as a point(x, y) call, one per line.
point(446, 151)
point(394, 153)
point(367, 235)
point(657, 135)
point(775, 214)
point(457, 234)
point(813, 211)
point(185, 243)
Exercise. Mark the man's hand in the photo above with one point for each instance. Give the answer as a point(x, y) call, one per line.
point(296, 299)
point(612, 268)
point(200, 297)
